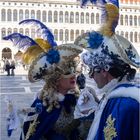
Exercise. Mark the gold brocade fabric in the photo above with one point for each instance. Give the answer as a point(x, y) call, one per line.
point(63, 121)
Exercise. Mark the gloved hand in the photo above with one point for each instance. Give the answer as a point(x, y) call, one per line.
point(86, 104)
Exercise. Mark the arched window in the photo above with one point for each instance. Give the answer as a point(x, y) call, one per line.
point(21, 30)
point(135, 20)
point(126, 20)
point(61, 35)
point(126, 35)
point(9, 31)
point(55, 16)
point(3, 15)
point(38, 15)
point(97, 18)
point(66, 35)
point(32, 33)
point(56, 34)
point(3, 32)
point(139, 37)
point(38, 34)
point(136, 36)
point(72, 35)
point(50, 16)
point(87, 18)
point(82, 17)
point(139, 21)
point(20, 15)
point(77, 17)
point(44, 16)
point(71, 17)
point(9, 15)
point(77, 33)
point(15, 30)
point(27, 32)
point(121, 20)
point(92, 18)
point(26, 14)
point(131, 21)
point(82, 31)
point(66, 17)
point(61, 17)
point(33, 14)
point(15, 15)
point(131, 36)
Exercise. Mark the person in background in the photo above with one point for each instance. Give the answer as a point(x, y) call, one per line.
point(12, 67)
point(113, 61)
point(7, 67)
point(2, 69)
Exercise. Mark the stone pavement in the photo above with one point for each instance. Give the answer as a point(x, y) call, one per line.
point(22, 92)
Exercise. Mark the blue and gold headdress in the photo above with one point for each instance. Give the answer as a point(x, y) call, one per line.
point(42, 53)
point(105, 47)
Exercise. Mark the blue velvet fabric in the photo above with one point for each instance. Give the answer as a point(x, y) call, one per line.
point(48, 120)
point(125, 110)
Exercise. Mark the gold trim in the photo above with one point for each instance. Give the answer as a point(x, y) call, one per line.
point(32, 128)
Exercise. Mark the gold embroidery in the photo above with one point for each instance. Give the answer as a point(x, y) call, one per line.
point(109, 130)
point(32, 129)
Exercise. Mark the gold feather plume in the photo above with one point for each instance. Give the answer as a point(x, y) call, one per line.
point(112, 16)
point(43, 44)
point(33, 51)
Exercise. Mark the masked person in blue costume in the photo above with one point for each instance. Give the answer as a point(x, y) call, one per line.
point(113, 62)
point(57, 105)
point(51, 114)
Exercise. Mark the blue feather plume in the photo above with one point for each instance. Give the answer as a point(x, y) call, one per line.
point(46, 33)
point(100, 2)
point(84, 2)
point(20, 41)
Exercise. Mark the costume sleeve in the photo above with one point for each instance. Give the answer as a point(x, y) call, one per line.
point(120, 120)
point(45, 122)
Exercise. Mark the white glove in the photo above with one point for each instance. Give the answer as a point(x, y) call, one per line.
point(86, 104)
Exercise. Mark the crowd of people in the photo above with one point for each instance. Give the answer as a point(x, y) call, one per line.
point(66, 108)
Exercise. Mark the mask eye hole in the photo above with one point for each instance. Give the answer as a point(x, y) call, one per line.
point(67, 73)
point(92, 71)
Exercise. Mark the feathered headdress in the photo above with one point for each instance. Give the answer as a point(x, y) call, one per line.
point(105, 47)
point(30, 48)
point(42, 53)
